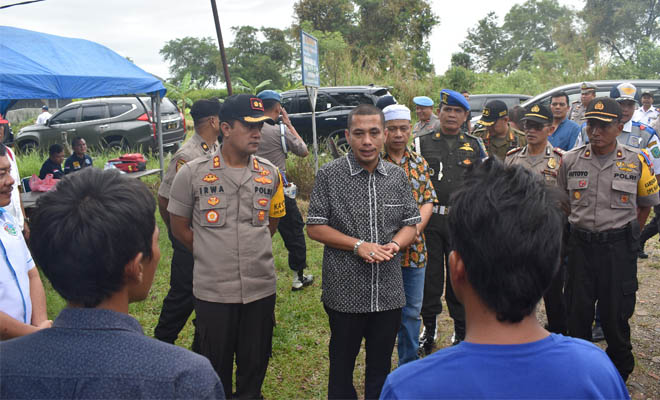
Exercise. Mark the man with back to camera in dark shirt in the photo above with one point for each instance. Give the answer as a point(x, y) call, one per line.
point(53, 165)
point(79, 159)
point(96, 240)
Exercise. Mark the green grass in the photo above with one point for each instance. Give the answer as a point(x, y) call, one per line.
point(299, 366)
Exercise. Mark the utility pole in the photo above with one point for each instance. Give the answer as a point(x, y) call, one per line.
point(222, 47)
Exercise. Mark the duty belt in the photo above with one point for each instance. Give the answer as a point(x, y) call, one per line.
point(442, 210)
point(611, 235)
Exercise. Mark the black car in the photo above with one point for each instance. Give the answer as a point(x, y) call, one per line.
point(603, 89)
point(332, 107)
point(117, 123)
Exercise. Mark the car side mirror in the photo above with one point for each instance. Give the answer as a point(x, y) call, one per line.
point(47, 123)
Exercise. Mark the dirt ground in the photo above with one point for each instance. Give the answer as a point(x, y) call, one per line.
point(644, 382)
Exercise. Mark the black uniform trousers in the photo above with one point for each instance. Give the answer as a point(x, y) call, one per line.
point(179, 302)
point(379, 329)
point(245, 330)
point(291, 229)
point(603, 268)
point(438, 247)
point(554, 298)
point(652, 228)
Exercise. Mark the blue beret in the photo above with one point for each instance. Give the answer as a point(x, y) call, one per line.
point(453, 98)
point(269, 95)
point(423, 101)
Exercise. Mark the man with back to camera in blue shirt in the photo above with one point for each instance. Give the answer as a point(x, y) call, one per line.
point(506, 352)
point(565, 131)
point(96, 240)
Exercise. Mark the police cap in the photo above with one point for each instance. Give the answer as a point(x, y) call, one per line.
point(270, 95)
point(624, 92)
point(423, 101)
point(385, 101)
point(494, 110)
point(538, 113)
point(587, 87)
point(453, 98)
point(604, 109)
point(205, 108)
point(244, 107)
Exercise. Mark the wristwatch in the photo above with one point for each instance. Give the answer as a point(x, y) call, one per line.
point(357, 244)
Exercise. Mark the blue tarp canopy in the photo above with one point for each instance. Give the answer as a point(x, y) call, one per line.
point(37, 65)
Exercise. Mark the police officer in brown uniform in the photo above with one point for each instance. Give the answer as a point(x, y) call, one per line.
point(449, 154)
point(539, 156)
point(498, 136)
point(225, 208)
point(587, 93)
point(427, 121)
point(178, 304)
point(611, 188)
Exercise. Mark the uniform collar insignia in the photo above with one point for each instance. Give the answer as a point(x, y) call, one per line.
point(255, 164)
point(619, 154)
point(205, 146)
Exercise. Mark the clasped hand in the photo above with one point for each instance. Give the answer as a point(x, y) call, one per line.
point(374, 252)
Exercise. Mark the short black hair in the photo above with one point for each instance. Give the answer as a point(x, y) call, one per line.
point(516, 113)
point(269, 104)
point(76, 140)
point(366, 109)
point(55, 149)
point(560, 94)
point(647, 94)
point(507, 226)
point(84, 233)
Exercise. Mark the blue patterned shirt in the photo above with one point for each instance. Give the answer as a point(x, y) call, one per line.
point(93, 353)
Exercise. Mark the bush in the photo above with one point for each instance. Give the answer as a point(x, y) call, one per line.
point(301, 171)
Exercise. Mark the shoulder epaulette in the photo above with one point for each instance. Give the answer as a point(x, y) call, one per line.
point(514, 151)
point(576, 101)
point(559, 151)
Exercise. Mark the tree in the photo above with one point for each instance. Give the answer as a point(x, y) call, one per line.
point(530, 27)
point(257, 60)
point(461, 60)
point(382, 24)
point(325, 15)
point(485, 43)
point(181, 92)
point(197, 56)
point(621, 26)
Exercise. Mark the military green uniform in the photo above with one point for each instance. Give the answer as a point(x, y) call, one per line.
point(604, 194)
point(499, 146)
point(547, 163)
point(422, 128)
point(178, 304)
point(449, 157)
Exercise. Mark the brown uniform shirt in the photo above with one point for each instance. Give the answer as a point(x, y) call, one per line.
point(229, 209)
point(547, 163)
point(270, 146)
point(606, 196)
point(422, 128)
point(193, 148)
point(500, 146)
point(576, 113)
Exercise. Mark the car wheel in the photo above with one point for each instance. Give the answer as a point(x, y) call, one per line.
point(27, 146)
point(117, 145)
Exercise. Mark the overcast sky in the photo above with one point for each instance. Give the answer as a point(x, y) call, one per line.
point(138, 29)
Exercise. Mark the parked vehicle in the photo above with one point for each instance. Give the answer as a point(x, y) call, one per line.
point(117, 123)
point(333, 104)
point(573, 90)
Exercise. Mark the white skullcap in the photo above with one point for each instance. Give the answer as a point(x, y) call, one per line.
point(396, 111)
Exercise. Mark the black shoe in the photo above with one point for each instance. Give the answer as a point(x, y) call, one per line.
point(597, 334)
point(641, 254)
point(301, 282)
point(427, 340)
